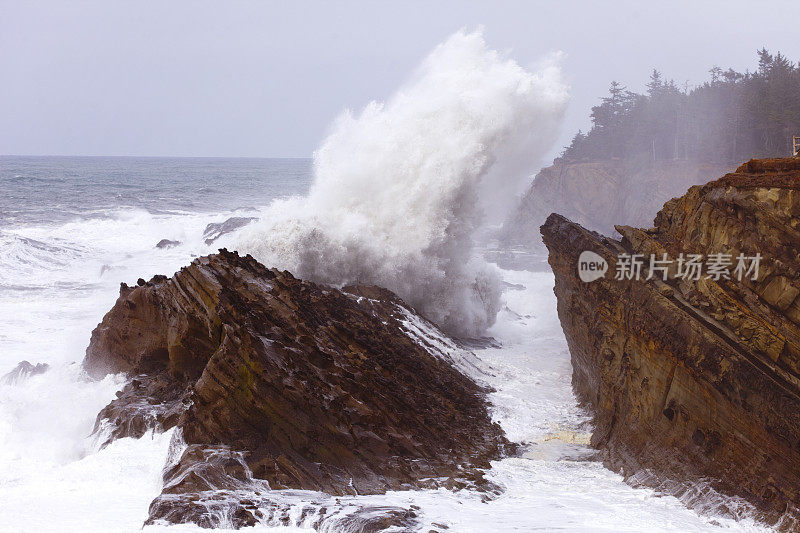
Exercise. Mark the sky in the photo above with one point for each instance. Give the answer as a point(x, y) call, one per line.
point(265, 79)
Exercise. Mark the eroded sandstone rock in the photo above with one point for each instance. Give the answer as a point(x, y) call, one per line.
point(340, 391)
point(696, 380)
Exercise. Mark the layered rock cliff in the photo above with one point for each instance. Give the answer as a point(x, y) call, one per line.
point(277, 383)
point(601, 194)
point(695, 382)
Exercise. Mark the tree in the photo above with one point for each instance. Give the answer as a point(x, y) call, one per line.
point(656, 83)
point(730, 119)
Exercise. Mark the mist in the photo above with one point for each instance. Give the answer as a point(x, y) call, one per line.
point(400, 189)
point(267, 78)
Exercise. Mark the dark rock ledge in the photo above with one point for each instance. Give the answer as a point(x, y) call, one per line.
point(696, 383)
point(276, 383)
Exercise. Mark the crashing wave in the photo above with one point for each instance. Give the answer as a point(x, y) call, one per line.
point(401, 189)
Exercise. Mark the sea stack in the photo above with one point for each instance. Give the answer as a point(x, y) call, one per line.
point(694, 380)
point(295, 385)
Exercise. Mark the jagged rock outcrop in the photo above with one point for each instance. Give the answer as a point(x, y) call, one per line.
point(289, 385)
point(215, 230)
point(601, 194)
point(695, 380)
point(23, 371)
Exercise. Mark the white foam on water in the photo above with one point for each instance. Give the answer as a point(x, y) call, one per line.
point(56, 283)
point(554, 485)
point(400, 190)
point(53, 478)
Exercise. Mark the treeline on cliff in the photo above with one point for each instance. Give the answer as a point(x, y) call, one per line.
point(730, 118)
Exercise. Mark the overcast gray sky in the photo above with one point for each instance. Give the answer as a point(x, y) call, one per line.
point(265, 78)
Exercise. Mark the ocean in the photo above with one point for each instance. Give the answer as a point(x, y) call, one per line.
point(73, 228)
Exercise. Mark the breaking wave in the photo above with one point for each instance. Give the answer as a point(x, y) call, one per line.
point(401, 189)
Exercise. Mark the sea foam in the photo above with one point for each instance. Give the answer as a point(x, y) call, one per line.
point(401, 188)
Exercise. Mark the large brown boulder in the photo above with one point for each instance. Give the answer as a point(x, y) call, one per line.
point(695, 381)
point(298, 385)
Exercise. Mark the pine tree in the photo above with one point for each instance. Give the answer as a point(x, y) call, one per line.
point(730, 119)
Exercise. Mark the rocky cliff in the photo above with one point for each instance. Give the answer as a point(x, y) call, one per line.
point(695, 382)
point(277, 383)
point(601, 194)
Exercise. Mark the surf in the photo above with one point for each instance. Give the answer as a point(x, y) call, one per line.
point(401, 188)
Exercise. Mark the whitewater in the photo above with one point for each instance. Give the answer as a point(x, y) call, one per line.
point(399, 194)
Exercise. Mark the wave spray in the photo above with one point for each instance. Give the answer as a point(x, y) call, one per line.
point(401, 189)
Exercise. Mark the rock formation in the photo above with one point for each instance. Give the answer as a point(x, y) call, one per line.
point(166, 243)
point(215, 230)
point(279, 383)
point(695, 380)
point(23, 371)
point(600, 194)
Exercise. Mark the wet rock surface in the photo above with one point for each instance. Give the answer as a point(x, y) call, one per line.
point(279, 383)
point(166, 243)
point(698, 380)
point(215, 230)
